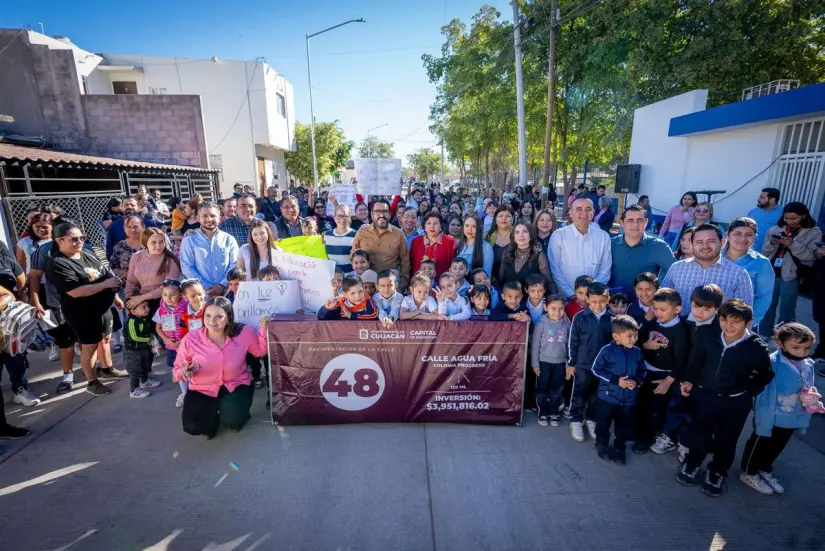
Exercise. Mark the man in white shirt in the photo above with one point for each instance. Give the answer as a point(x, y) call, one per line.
point(581, 248)
point(162, 208)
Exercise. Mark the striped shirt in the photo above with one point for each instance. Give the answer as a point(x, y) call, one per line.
point(339, 247)
point(687, 275)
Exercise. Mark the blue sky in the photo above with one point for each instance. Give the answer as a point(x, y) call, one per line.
point(364, 75)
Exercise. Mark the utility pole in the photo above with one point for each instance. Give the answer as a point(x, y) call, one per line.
point(522, 145)
point(551, 91)
point(442, 165)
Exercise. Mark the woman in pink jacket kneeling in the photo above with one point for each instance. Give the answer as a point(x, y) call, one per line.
point(213, 360)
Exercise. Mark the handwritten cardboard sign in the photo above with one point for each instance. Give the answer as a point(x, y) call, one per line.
point(314, 274)
point(257, 299)
point(379, 176)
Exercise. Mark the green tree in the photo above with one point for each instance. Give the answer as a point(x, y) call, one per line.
point(376, 148)
point(332, 150)
point(612, 57)
point(424, 163)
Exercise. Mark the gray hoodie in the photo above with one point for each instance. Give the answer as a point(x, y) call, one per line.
point(550, 341)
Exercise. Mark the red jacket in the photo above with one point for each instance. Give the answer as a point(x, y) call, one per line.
point(442, 252)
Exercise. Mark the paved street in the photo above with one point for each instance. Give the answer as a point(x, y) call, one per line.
point(113, 473)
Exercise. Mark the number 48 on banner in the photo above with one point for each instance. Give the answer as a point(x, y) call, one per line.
point(352, 382)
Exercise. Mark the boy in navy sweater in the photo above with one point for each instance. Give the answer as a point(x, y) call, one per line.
point(704, 302)
point(666, 351)
point(590, 330)
point(620, 367)
point(510, 307)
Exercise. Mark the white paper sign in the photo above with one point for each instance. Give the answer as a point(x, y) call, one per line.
point(314, 274)
point(345, 194)
point(379, 176)
point(257, 299)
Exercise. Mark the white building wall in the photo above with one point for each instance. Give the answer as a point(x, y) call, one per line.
point(238, 123)
point(721, 160)
point(726, 160)
point(663, 159)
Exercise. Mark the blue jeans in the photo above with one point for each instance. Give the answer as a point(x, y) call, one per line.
point(785, 295)
point(16, 366)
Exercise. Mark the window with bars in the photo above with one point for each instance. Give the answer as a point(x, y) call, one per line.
point(800, 170)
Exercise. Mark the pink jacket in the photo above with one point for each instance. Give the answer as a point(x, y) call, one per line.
point(675, 219)
point(218, 367)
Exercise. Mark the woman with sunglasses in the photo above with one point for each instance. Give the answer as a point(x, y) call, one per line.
point(324, 222)
point(702, 215)
point(87, 291)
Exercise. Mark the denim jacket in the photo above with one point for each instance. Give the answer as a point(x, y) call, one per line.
point(779, 405)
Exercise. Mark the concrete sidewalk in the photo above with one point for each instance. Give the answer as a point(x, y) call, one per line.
point(114, 473)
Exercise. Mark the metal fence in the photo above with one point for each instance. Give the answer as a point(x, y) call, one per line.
point(87, 211)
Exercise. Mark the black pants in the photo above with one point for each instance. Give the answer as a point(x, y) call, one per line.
point(621, 417)
point(138, 365)
point(549, 388)
point(678, 417)
point(651, 409)
point(761, 451)
point(202, 414)
point(718, 421)
point(585, 392)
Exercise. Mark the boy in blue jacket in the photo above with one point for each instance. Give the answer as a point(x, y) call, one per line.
point(778, 410)
point(589, 331)
point(620, 367)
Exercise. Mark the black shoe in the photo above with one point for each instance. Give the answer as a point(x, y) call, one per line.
point(686, 477)
point(110, 373)
point(64, 386)
point(208, 436)
point(604, 453)
point(10, 432)
point(712, 485)
point(258, 383)
point(96, 388)
point(640, 449)
point(619, 457)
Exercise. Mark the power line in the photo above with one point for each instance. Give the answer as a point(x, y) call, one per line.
point(240, 107)
point(413, 132)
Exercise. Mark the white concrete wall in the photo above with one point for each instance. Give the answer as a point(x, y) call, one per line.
point(726, 160)
point(721, 160)
point(233, 125)
point(663, 159)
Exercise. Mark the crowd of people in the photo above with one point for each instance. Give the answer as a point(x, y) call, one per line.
point(667, 339)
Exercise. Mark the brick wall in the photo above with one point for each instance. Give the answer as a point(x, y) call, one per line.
point(162, 129)
point(40, 89)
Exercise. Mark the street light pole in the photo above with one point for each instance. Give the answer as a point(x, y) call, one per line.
point(311, 110)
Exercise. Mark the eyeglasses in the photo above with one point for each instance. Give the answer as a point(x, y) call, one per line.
point(382, 211)
point(341, 216)
point(76, 240)
point(705, 211)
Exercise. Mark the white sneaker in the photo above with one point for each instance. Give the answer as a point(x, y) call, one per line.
point(683, 453)
point(139, 393)
point(756, 482)
point(591, 429)
point(179, 401)
point(772, 482)
point(26, 398)
point(576, 431)
point(54, 353)
point(543, 421)
point(150, 383)
point(663, 445)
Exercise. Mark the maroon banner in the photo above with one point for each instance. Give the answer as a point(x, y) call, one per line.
point(328, 372)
